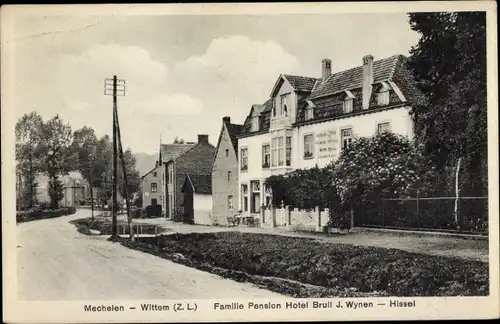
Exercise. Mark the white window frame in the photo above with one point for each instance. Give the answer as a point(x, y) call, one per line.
point(229, 176)
point(348, 105)
point(388, 129)
point(155, 187)
point(254, 124)
point(264, 155)
point(309, 113)
point(244, 159)
point(281, 144)
point(383, 95)
point(349, 138)
point(288, 150)
point(230, 202)
point(311, 146)
point(283, 104)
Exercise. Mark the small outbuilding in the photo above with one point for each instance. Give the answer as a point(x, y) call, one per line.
point(197, 190)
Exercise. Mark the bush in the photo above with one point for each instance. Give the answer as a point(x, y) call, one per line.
point(153, 210)
point(36, 214)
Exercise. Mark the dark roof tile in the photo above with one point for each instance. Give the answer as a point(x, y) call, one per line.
point(200, 183)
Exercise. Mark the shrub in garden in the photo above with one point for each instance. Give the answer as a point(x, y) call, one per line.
point(153, 210)
point(383, 166)
point(35, 214)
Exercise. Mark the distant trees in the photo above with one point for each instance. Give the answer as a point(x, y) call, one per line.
point(178, 141)
point(28, 157)
point(52, 148)
point(55, 141)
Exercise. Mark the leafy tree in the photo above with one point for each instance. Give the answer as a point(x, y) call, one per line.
point(449, 62)
point(29, 156)
point(88, 162)
point(133, 179)
point(56, 138)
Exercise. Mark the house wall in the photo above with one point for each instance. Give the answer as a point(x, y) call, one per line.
point(170, 189)
point(202, 207)
point(196, 161)
point(221, 187)
point(327, 135)
point(146, 181)
point(255, 172)
point(327, 144)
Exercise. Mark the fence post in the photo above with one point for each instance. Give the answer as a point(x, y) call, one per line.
point(383, 213)
point(352, 217)
point(459, 214)
point(318, 212)
point(273, 217)
point(288, 215)
point(418, 210)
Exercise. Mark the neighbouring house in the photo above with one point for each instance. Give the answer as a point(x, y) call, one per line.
point(176, 161)
point(308, 121)
point(197, 190)
point(151, 184)
point(76, 190)
point(225, 173)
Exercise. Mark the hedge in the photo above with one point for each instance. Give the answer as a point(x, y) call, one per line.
point(153, 210)
point(36, 214)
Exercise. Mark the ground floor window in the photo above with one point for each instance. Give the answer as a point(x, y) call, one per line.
point(230, 203)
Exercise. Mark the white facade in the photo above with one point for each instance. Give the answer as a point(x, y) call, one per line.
point(326, 146)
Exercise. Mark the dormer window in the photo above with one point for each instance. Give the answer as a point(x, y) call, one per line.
point(383, 94)
point(348, 102)
point(284, 105)
point(255, 124)
point(348, 105)
point(310, 110)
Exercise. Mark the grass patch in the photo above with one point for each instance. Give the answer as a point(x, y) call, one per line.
point(302, 267)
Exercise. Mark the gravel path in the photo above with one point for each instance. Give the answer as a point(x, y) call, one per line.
point(55, 262)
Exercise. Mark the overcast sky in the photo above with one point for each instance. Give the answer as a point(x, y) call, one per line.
point(183, 73)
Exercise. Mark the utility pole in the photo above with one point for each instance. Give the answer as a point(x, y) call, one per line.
point(114, 87)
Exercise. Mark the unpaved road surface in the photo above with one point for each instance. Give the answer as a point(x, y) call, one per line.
point(55, 262)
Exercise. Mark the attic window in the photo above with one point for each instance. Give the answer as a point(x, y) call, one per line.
point(310, 110)
point(348, 105)
point(284, 105)
point(383, 94)
point(255, 124)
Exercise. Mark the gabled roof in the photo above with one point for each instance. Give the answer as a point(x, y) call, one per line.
point(383, 70)
point(298, 83)
point(173, 151)
point(149, 171)
point(201, 184)
point(301, 83)
point(233, 131)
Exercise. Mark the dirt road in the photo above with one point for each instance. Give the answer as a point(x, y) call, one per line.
point(55, 262)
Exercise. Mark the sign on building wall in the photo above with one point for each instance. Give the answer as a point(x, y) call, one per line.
point(326, 144)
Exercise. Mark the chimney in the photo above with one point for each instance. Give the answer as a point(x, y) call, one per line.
point(226, 120)
point(367, 80)
point(326, 69)
point(203, 138)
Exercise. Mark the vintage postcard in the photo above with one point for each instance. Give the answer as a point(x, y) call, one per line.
point(249, 162)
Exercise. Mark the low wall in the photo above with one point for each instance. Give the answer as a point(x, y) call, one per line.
point(295, 219)
point(203, 217)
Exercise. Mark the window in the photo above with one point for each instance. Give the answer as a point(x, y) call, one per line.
point(154, 187)
point(255, 124)
point(309, 146)
point(348, 105)
point(281, 150)
point(383, 97)
point(244, 159)
point(227, 152)
point(229, 176)
point(244, 194)
point(346, 137)
point(309, 113)
point(266, 156)
point(230, 203)
point(154, 174)
point(283, 105)
point(383, 127)
point(171, 176)
point(154, 201)
point(288, 151)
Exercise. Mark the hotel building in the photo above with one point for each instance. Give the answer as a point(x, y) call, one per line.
point(307, 121)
